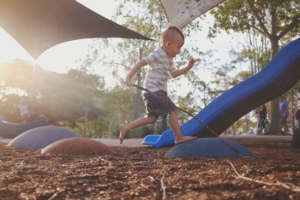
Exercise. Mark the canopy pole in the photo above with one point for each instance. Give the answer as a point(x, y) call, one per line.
point(33, 88)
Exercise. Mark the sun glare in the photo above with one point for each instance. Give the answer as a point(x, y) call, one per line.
point(10, 49)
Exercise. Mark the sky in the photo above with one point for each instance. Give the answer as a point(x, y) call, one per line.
point(57, 56)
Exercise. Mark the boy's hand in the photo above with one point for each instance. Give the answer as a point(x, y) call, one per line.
point(191, 62)
point(128, 82)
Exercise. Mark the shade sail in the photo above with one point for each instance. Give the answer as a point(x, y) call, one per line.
point(182, 12)
point(38, 25)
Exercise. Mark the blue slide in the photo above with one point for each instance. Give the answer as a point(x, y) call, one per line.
point(280, 75)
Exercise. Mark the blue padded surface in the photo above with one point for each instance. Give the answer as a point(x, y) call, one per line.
point(208, 148)
point(12, 130)
point(40, 137)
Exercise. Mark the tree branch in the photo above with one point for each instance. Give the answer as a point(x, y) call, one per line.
point(114, 63)
point(260, 21)
point(163, 187)
point(284, 185)
point(290, 27)
point(260, 31)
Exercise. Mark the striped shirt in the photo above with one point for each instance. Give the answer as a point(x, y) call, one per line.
point(160, 65)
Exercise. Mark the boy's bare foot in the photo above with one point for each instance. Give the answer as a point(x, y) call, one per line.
point(184, 139)
point(123, 132)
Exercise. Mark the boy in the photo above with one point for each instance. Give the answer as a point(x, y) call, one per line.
point(160, 64)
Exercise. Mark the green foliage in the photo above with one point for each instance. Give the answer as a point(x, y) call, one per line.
point(16, 76)
point(8, 107)
point(118, 108)
point(141, 132)
point(274, 20)
point(241, 76)
point(60, 97)
point(265, 16)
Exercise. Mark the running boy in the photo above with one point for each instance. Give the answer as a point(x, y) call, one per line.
point(160, 66)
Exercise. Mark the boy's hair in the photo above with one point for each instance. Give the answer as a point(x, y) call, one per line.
point(171, 27)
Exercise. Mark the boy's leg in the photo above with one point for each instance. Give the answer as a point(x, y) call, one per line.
point(124, 128)
point(179, 138)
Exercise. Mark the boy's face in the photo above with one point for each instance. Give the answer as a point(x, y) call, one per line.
point(174, 46)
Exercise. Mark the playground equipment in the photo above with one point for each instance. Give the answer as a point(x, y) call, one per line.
point(12, 130)
point(281, 74)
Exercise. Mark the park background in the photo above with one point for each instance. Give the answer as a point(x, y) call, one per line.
point(79, 84)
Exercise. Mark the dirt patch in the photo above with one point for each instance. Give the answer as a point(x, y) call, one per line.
point(144, 173)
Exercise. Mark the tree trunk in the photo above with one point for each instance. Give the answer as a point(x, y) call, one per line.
point(275, 126)
point(86, 110)
point(95, 127)
point(247, 122)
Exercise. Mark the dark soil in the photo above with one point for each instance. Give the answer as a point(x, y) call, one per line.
point(144, 173)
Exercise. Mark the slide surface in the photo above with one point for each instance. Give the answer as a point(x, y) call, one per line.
point(281, 74)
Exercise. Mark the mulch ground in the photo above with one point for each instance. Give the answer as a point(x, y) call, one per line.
point(144, 173)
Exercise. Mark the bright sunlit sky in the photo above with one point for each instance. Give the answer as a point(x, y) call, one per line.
point(64, 55)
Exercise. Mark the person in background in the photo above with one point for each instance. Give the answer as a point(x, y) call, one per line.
point(261, 119)
point(296, 114)
point(284, 113)
point(33, 115)
point(23, 107)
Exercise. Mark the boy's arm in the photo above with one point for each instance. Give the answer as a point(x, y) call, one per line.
point(183, 70)
point(134, 70)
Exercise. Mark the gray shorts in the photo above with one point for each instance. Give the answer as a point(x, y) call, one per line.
point(161, 105)
point(283, 120)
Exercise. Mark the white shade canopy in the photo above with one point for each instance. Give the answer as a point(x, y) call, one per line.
point(182, 12)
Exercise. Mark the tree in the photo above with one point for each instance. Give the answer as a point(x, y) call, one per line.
point(276, 20)
point(92, 84)
point(198, 92)
point(16, 76)
point(254, 52)
point(16, 83)
point(118, 108)
point(60, 97)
